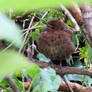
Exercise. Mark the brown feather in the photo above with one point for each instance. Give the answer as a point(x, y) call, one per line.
point(56, 43)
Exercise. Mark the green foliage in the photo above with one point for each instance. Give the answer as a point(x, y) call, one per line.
point(4, 83)
point(18, 74)
point(46, 80)
point(90, 1)
point(76, 38)
point(84, 52)
point(9, 60)
point(35, 34)
point(85, 80)
point(32, 70)
point(34, 4)
point(41, 57)
point(9, 31)
point(78, 64)
point(90, 54)
point(69, 23)
point(81, 78)
point(53, 13)
point(68, 61)
point(19, 83)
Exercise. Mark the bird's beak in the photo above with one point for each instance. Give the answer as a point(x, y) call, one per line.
point(48, 25)
point(45, 22)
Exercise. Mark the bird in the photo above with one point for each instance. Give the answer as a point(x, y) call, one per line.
point(55, 42)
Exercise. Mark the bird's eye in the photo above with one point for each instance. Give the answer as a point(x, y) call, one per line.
point(52, 40)
point(53, 27)
point(59, 36)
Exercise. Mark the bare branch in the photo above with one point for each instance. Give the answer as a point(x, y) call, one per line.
point(65, 70)
point(87, 22)
point(27, 33)
point(76, 12)
point(13, 84)
point(68, 14)
point(75, 86)
point(7, 47)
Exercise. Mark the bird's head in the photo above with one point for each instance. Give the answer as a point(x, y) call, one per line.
point(55, 25)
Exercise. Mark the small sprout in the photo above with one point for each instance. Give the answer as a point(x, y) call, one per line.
point(28, 50)
point(33, 46)
point(26, 85)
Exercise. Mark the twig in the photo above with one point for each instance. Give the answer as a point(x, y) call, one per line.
point(32, 52)
point(42, 17)
point(27, 33)
point(24, 22)
point(30, 29)
point(77, 43)
point(33, 27)
point(68, 14)
point(65, 70)
point(64, 79)
point(87, 23)
point(10, 13)
point(76, 12)
point(12, 83)
point(7, 47)
point(76, 87)
point(67, 84)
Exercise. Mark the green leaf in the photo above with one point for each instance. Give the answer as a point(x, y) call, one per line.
point(90, 54)
point(84, 52)
point(11, 61)
point(34, 4)
point(68, 60)
point(35, 34)
point(4, 83)
point(69, 22)
point(19, 84)
point(32, 70)
point(81, 78)
point(76, 38)
point(46, 80)
point(41, 57)
point(78, 64)
point(9, 31)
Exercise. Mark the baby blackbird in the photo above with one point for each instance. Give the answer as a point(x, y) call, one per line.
point(56, 41)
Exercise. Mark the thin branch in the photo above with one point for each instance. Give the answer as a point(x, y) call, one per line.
point(33, 27)
point(65, 70)
point(77, 42)
point(70, 89)
point(76, 12)
point(87, 22)
point(68, 14)
point(13, 84)
point(25, 22)
point(27, 33)
point(30, 29)
point(75, 86)
point(7, 47)
point(42, 17)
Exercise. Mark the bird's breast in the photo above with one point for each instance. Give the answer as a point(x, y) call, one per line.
point(55, 45)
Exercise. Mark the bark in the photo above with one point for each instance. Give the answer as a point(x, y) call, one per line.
point(75, 86)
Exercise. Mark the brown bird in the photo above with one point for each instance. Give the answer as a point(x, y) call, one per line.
point(56, 41)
